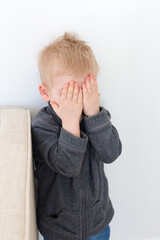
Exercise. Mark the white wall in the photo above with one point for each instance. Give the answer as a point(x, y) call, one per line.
point(125, 37)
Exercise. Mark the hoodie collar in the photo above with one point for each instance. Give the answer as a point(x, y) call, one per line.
point(51, 110)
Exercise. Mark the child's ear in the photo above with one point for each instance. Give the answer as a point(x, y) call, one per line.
point(43, 92)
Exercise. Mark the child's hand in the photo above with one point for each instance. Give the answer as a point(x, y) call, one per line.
point(70, 107)
point(90, 96)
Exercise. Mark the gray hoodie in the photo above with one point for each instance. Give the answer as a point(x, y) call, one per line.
point(73, 200)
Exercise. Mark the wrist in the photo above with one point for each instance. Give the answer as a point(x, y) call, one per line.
point(93, 113)
point(72, 128)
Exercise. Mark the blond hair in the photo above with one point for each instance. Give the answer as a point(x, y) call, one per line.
point(66, 54)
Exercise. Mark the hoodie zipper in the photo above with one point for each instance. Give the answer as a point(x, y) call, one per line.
point(83, 209)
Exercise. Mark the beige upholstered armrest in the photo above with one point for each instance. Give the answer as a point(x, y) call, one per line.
point(17, 188)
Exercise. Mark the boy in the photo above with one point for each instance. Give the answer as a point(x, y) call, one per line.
point(72, 138)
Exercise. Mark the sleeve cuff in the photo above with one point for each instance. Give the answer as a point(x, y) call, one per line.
point(97, 120)
point(78, 143)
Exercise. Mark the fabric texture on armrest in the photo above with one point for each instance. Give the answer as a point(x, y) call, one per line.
point(17, 188)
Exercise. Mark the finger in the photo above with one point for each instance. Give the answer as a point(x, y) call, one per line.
point(95, 81)
point(88, 84)
point(64, 92)
point(92, 78)
point(84, 88)
point(86, 78)
point(70, 90)
point(80, 95)
point(76, 92)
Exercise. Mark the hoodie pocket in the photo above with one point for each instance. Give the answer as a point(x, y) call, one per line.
point(95, 216)
point(67, 223)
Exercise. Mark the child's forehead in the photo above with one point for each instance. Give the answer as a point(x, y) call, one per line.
point(66, 78)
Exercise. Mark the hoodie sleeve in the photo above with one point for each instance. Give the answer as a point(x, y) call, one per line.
point(103, 136)
point(62, 151)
